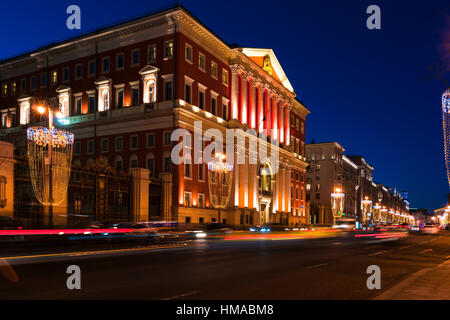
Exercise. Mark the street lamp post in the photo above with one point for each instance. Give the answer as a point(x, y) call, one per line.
point(337, 204)
point(49, 154)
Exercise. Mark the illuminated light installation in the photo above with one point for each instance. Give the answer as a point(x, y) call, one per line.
point(220, 179)
point(49, 154)
point(50, 157)
point(446, 126)
point(337, 203)
point(390, 217)
point(384, 214)
point(377, 213)
point(366, 206)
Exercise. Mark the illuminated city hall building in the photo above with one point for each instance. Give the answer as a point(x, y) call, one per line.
point(123, 91)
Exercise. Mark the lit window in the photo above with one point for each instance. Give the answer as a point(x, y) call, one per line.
point(168, 49)
point(202, 61)
point(224, 76)
point(54, 77)
point(214, 70)
point(4, 90)
point(187, 198)
point(188, 53)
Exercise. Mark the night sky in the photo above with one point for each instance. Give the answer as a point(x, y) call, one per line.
point(369, 90)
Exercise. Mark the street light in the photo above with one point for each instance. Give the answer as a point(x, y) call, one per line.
point(50, 157)
point(337, 204)
point(366, 206)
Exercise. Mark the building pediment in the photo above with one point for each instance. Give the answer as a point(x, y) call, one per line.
point(266, 59)
point(148, 69)
point(103, 80)
point(62, 89)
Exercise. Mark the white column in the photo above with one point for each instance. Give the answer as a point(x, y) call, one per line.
point(234, 91)
point(274, 117)
point(281, 122)
point(268, 111)
point(283, 190)
point(288, 187)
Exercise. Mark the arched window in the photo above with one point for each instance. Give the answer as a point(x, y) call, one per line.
point(134, 161)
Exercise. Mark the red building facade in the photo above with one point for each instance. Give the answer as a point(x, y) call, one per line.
point(125, 89)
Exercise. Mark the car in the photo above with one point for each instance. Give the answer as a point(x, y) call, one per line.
point(430, 229)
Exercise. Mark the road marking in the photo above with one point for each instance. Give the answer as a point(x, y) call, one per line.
point(89, 252)
point(180, 295)
point(377, 253)
point(426, 250)
point(317, 266)
point(405, 247)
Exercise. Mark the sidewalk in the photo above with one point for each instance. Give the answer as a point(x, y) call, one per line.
point(426, 284)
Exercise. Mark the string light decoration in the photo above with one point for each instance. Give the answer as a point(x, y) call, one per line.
point(337, 203)
point(377, 212)
point(220, 179)
point(366, 206)
point(446, 127)
point(384, 214)
point(49, 150)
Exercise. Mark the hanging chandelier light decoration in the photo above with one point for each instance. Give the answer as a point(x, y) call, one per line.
point(446, 127)
point(220, 179)
point(50, 158)
point(337, 203)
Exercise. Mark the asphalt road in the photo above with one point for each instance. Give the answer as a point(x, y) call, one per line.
point(333, 268)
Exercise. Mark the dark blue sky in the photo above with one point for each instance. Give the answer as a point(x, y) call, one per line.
point(368, 90)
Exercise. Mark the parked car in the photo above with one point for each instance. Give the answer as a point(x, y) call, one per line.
point(430, 229)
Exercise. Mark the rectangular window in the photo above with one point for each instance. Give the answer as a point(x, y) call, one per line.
point(77, 148)
point(23, 84)
point(134, 96)
point(13, 88)
point(188, 53)
point(91, 104)
point(135, 57)
point(168, 49)
point(201, 99)
point(201, 62)
point(168, 164)
point(120, 99)
point(201, 174)
point(168, 90)
point(225, 111)
point(187, 170)
point(224, 77)
point(150, 140)
point(214, 106)
point(214, 70)
point(91, 146)
point(105, 64)
point(167, 140)
point(120, 61)
point(4, 90)
point(92, 68)
point(54, 77)
point(201, 202)
point(105, 144)
point(151, 166)
point(119, 143)
point(66, 74)
point(292, 192)
point(33, 83)
point(134, 142)
point(296, 193)
point(151, 53)
point(187, 198)
point(78, 105)
point(187, 93)
point(43, 80)
point(78, 71)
